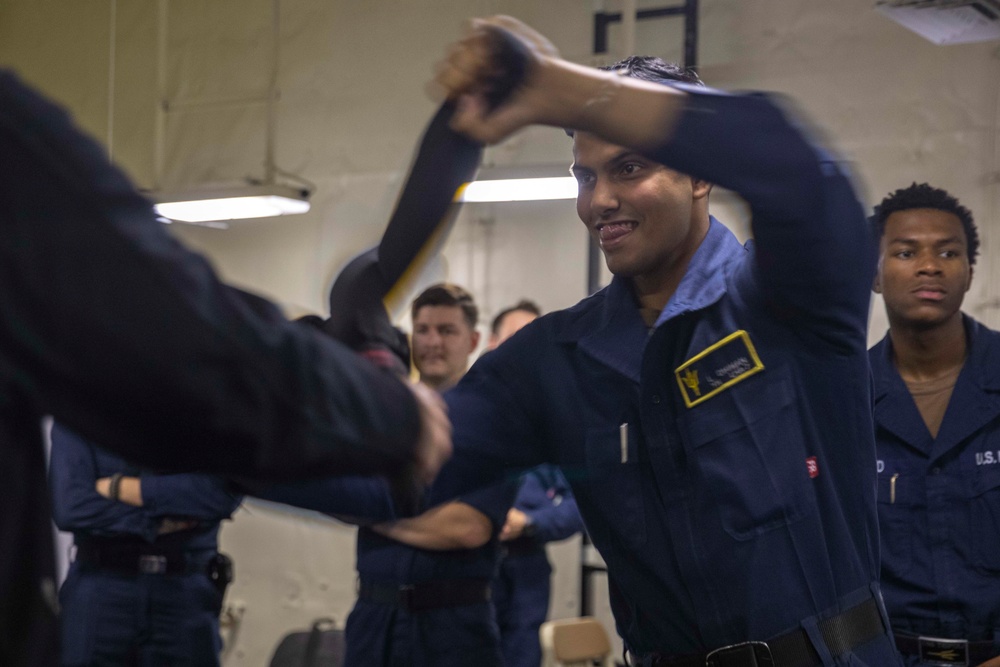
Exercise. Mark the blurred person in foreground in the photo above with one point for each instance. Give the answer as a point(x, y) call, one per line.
point(129, 339)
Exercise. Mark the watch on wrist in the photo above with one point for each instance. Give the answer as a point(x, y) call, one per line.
point(114, 488)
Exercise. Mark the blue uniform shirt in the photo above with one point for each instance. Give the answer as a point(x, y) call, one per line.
point(75, 467)
point(384, 559)
point(724, 461)
point(444, 637)
point(939, 498)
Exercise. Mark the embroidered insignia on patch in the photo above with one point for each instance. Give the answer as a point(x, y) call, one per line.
point(717, 367)
point(812, 467)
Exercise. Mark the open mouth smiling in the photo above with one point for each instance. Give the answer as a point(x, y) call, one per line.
point(610, 233)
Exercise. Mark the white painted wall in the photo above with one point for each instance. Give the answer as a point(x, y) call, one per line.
point(352, 107)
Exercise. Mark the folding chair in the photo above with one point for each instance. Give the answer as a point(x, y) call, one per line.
point(575, 642)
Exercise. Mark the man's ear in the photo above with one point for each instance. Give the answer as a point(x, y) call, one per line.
point(877, 279)
point(700, 188)
point(475, 341)
point(969, 283)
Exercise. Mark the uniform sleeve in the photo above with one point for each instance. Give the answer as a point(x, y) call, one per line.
point(202, 497)
point(131, 340)
point(556, 516)
point(493, 501)
point(368, 498)
point(76, 505)
point(815, 254)
point(496, 427)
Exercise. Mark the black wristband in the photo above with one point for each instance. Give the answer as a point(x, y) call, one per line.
point(115, 487)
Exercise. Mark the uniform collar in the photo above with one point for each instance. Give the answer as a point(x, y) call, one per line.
point(704, 283)
point(974, 402)
point(617, 336)
point(894, 408)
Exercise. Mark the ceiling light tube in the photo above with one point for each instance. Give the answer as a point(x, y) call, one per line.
point(519, 189)
point(255, 201)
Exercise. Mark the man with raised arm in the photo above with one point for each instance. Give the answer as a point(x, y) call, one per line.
point(710, 401)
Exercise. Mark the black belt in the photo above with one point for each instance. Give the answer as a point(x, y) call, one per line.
point(523, 546)
point(943, 651)
point(841, 633)
point(426, 595)
point(134, 559)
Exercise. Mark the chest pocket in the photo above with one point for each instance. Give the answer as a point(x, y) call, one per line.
point(747, 444)
point(984, 517)
point(901, 499)
point(616, 484)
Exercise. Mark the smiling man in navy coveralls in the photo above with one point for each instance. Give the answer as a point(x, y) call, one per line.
point(714, 395)
point(937, 417)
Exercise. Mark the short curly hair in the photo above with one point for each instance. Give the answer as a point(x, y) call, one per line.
point(923, 195)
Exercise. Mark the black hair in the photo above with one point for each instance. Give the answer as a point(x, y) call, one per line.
point(448, 294)
point(650, 68)
point(657, 70)
point(523, 305)
point(923, 195)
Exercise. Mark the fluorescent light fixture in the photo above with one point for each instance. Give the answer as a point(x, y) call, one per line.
point(519, 189)
point(253, 201)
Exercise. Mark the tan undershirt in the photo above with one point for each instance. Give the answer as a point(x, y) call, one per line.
point(649, 316)
point(932, 397)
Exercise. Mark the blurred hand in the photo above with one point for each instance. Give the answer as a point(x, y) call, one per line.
point(434, 444)
point(493, 75)
point(513, 527)
point(992, 662)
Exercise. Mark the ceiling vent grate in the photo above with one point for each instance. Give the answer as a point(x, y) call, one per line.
point(946, 21)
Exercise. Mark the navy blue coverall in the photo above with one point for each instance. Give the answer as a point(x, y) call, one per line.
point(523, 583)
point(396, 635)
point(111, 613)
point(939, 501)
point(125, 336)
point(724, 460)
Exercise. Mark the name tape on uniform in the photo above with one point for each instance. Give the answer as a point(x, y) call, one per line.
point(718, 367)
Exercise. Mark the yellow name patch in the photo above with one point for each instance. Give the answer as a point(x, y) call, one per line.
point(717, 367)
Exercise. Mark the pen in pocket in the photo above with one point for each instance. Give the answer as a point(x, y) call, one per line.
point(623, 441)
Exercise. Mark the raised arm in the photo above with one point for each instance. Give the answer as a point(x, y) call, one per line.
point(124, 335)
point(815, 256)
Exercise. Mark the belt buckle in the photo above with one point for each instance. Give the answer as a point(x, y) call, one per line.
point(942, 651)
point(753, 654)
point(152, 564)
